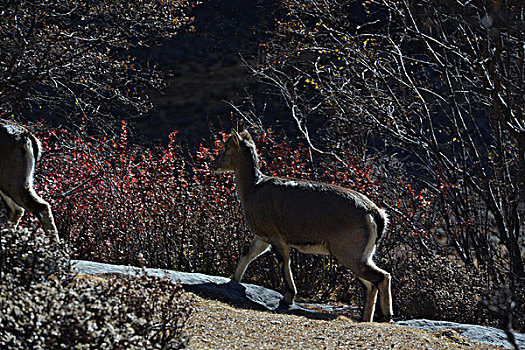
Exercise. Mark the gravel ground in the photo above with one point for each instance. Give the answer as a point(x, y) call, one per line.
point(216, 325)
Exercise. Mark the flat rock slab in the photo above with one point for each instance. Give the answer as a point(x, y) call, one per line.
point(480, 334)
point(220, 288)
point(260, 298)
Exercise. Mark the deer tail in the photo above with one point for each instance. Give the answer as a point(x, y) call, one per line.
point(36, 145)
point(381, 219)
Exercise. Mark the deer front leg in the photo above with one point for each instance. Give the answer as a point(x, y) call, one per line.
point(283, 256)
point(257, 248)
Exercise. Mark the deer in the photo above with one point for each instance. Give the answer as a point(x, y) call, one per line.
point(312, 217)
point(19, 152)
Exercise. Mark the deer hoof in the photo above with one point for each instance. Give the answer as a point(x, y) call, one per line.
point(288, 298)
point(386, 319)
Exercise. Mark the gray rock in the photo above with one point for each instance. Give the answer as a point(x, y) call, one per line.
point(221, 288)
point(481, 334)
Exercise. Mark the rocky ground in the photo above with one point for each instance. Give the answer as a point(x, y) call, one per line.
point(229, 315)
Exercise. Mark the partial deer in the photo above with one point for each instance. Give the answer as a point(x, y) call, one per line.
point(315, 218)
point(19, 152)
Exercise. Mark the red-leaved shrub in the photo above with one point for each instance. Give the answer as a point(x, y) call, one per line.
point(120, 203)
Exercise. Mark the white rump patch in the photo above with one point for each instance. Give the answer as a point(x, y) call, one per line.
point(371, 244)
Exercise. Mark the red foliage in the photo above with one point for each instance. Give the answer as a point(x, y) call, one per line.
point(114, 201)
point(163, 207)
point(120, 203)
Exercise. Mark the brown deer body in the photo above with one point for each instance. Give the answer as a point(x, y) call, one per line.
point(314, 218)
point(19, 151)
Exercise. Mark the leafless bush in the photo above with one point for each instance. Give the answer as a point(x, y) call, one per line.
point(45, 306)
point(75, 60)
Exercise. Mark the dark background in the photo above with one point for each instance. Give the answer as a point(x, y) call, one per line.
point(205, 69)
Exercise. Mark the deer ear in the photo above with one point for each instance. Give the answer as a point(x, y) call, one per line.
point(246, 136)
point(236, 138)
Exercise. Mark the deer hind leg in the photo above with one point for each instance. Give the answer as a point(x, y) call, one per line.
point(14, 211)
point(376, 279)
point(370, 300)
point(283, 256)
point(385, 296)
point(257, 248)
point(41, 209)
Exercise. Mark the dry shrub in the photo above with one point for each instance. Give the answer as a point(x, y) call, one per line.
point(435, 287)
point(519, 307)
point(43, 305)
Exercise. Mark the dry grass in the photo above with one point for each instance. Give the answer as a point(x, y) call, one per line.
point(215, 325)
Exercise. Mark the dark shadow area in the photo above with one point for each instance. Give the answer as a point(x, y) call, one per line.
point(261, 299)
point(205, 69)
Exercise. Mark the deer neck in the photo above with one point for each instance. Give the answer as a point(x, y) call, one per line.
point(247, 174)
